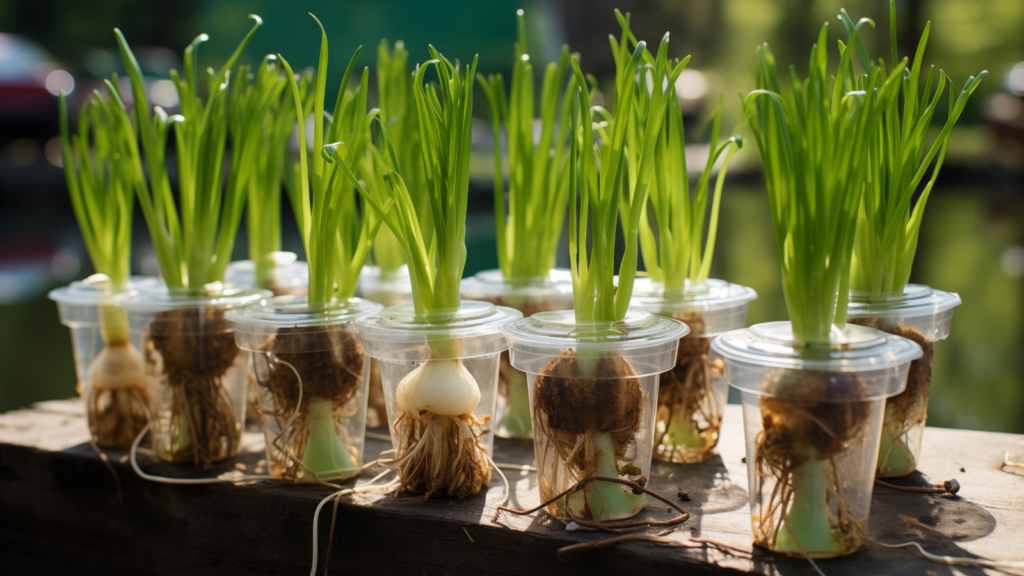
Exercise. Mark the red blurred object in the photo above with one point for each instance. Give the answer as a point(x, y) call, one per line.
point(29, 83)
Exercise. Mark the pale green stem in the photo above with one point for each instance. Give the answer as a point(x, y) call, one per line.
point(607, 501)
point(807, 521)
point(325, 454)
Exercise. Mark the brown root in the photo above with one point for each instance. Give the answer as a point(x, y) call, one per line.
point(907, 410)
point(689, 417)
point(195, 347)
point(117, 415)
point(377, 410)
point(571, 411)
point(332, 370)
point(802, 426)
point(441, 456)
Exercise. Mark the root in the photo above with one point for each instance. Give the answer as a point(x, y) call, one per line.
point(293, 379)
point(587, 427)
point(797, 432)
point(117, 415)
point(191, 350)
point(908, 410)
point(441, 456)
point(689, 416)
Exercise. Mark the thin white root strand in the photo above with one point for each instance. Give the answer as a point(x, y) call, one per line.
point(378, 436)
point(389, 486)
point(1009, 464)
point(227, 477)
point(508, 489)
point(516, 467)
point(955, 560)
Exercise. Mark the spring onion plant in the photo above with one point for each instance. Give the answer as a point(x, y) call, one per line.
point(438, 451)
point(538, 181)
point(815, 142)
point(96, 166)
point(612, 178)
point(337, 244)
point(688, 414)
point(887, 227)
point(398, 114)
point(193, 233)
point(194, 239)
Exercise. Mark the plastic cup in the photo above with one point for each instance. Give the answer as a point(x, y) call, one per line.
point(195, 373)
point(391, 288)
point(113, 421)
point(467, 338)
point(692, 395)
point(593, 393)
point(812, 416)
point(923, 315)
point(311, 376)
point(288, 276)
point(529, 296)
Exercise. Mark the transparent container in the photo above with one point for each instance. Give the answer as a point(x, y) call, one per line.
point(529, 296)
point(311, 376)
point(812, 416)
point(195, 373)
point(390, 289)
point(288, 276)
point(923, 315)
point(117, 409)
point(440, 377)
point(593, 392)
point(692, 395)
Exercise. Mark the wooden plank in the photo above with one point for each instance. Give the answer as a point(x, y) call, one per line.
point(61, 514)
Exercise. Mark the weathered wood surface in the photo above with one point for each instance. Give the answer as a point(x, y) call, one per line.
point(60, 514)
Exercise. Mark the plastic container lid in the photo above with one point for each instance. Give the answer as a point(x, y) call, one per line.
point(489, 283)
point(289, 272)
point(925, 309)
point(97, 290)
point(255, 323)
point(723, 305)
point(915, 300)
point(164, 298)
point(648, 341)
point(397, 333)
point(852, 349)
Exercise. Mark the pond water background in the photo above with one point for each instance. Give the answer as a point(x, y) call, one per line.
point(972, 243)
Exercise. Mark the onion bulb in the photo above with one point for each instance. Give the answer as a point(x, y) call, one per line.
point(442, 387)
point(117, 367)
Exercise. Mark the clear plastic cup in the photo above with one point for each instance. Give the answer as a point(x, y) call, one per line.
point(311, 376)
point(529, 296)
point(812, 416)
point(195, 373)
point(443, 449)
point(692, 395)
point(288, 275)
point(117, 411)
point(923, 315)
point(390, 288)
point(593, 392)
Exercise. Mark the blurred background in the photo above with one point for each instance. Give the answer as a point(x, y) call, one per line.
point(972, 240)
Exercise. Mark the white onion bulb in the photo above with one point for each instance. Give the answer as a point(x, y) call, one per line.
point(117, 367)
point(443, 387)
